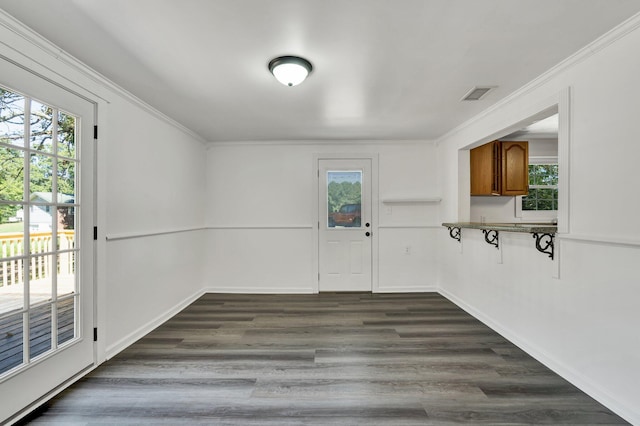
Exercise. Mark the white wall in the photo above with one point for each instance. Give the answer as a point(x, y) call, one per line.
point(584, 323)
point(154, 184)
point(261, 219)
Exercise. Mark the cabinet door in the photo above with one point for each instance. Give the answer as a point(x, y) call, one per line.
point(485, 169)
point(515, 168)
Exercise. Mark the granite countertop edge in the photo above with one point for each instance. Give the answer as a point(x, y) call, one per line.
point(540, 228)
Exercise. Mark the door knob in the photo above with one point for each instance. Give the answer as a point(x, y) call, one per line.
point(367, 233)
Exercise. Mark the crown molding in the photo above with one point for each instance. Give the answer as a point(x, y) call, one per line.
point(323, 142)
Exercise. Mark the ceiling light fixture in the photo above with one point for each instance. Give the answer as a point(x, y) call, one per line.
point(290, 70)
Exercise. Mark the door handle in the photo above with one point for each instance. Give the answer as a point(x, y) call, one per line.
point(367, 233)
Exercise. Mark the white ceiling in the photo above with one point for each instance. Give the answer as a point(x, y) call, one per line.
point(383, 69)
point(546, 128)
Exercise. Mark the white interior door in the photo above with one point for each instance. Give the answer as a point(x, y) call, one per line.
point(345, 231)
point(46, 237)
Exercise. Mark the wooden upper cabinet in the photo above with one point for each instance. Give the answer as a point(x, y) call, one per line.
point(485, 175)
point(500, 168)
point(515, 168)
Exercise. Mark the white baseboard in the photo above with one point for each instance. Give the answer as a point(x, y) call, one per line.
point(583, 383)
point(307, 290)
point(259, 290)
point(409, 289)
point(131, 338)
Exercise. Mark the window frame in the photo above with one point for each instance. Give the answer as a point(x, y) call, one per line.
point(538, 215)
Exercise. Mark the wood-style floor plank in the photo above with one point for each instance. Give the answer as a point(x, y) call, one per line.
point(328, 359)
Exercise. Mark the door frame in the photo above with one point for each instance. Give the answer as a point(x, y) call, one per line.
point(37, 56)
point(38, 86)
point(315, 214)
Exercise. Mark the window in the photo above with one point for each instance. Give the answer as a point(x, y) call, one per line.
point(543, 188)
point(542, 201)
point(344, 198)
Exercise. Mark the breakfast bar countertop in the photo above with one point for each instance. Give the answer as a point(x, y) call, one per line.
point(540, 228)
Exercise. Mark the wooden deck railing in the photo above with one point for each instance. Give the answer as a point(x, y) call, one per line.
point(12, 256)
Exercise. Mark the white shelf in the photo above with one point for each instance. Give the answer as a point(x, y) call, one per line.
point(411, 200)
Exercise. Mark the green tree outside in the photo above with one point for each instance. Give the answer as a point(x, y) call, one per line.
point(339, 194)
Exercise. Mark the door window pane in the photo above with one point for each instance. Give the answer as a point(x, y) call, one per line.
point(11, 174)
point(41, 123)
point(12, 289)
point(11, 258)
point(344, 199)
point(66, 181)
point(66, 135)
point(66, 278)
point(66, 320)
point(11, 354)
point(41, 281)
point(39, 330)
point(66, 228)
point(11, 118)
point(41, 177)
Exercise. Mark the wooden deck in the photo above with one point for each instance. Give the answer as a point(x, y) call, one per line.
point(11, 333)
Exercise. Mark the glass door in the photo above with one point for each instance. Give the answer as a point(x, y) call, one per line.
point(345, 231)
point(46, 249)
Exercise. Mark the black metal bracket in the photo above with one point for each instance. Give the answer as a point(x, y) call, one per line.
point(455, 233)
point(491, 237)
point(544, 243)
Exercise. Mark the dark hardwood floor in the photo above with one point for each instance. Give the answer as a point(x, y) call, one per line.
point(328, 359)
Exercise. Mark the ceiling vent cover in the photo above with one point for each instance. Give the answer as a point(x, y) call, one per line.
point(477, 93)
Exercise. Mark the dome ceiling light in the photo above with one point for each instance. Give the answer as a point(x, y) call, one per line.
point(290, 70)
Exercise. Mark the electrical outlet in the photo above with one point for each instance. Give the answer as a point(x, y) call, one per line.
point(407, 250)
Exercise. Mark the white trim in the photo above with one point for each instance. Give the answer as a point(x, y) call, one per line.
point(564, 163)
point(59, 55)
point(410, 200)
point(100, 269)
point(258, 227)
point(597, 239)
point(131, 235)
point(323, 142)
point(409, 289)
point(586, 52)
point(408, 226)
point(240, 289)
point(575, 377)
point(543, 159)
point(117, 347)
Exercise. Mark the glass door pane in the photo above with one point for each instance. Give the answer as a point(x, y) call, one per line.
point(344, 199)
point(38, 208)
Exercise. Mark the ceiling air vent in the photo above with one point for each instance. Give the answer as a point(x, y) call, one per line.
point(477, 93)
